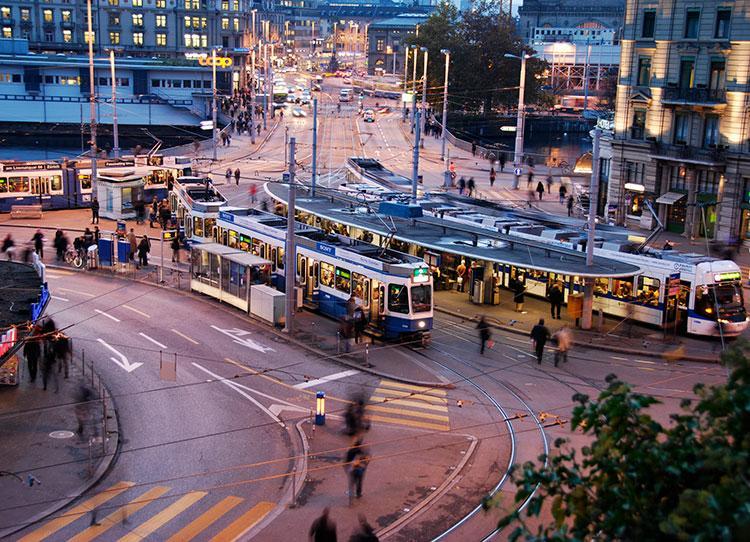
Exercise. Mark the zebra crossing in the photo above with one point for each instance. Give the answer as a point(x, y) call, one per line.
point(408, 405)
point(147, 511)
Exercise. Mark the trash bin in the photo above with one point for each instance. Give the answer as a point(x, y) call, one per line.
point(92, 257)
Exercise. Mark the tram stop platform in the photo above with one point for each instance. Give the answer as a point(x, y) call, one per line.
point(608, 333)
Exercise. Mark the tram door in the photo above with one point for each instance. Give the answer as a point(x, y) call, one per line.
point(39, 186)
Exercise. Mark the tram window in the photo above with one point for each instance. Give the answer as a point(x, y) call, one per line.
point(208, 226)
point(55, 182)
point(326, 274)
point(3, 184)
point(358, 283)
point(245, 243)
point(18, 184)
point(85, 182)
point(232, 241)
point(648, 290)
point(226, 278)
point(601, 286)
point(197, 226)
point(213, 273)
point(398, 298)
point(302, 269)
point(256, 247)
point(273, 259)
point(343, 280)
point(540, 276)
point(280, 258)
point(367, 292)
point(421, 298)
point(622, 289)
point(315, 275)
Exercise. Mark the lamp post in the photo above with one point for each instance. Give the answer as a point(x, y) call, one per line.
point(518, 153)
point(115, 135)
point(213, 101)
point(406, 78)
point(92, 99)
point(414, 85)
point(424, 97)
point(444, 131)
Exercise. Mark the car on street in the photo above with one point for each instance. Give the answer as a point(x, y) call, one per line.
point(345, 95)
point(369, 115)
point(298, 112)
point(290, 98)
point(305, 98)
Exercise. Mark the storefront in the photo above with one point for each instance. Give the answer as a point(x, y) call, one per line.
point(676, 210)
point(635, 195)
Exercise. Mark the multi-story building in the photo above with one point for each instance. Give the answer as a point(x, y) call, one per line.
point(681, 124)
point(558, 14)
point(385, 42)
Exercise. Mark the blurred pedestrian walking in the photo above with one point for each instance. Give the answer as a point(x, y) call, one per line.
point(562, 191)
point(365, 532)
point(564, 339)
point(144, 247)
point(133, 241)
point(8, 247)
point(358, 469)
point(570, 205)
point(540, 190)
point(32, 351)
point(461, 186)
point(502, 161)
point(237, 176)
point(484, 333)
point(471, 185)
point(38, 239)
point(228, 175)
point(253, 192)
point(539, 336)
point(323, 529)
point(493, 176)
point(175, 249)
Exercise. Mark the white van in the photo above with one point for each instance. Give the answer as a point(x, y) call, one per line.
point(345, 95)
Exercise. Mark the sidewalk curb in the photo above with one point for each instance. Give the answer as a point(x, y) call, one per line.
point(336, 358)
point(605, 347)
point(101, 472)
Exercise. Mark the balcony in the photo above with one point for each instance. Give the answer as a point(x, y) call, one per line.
point(694, 96)
point(688, 155)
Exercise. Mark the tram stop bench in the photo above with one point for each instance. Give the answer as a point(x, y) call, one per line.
point(26, 211)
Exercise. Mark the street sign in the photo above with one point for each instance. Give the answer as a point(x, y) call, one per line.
point(518, 172)
point(285, 177)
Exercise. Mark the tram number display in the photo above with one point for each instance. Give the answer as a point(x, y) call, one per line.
point(421, 274)
point(721, 277)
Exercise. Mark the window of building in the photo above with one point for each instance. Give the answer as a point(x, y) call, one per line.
point(235, 5)
point(161, 40)
point(380, 45)
point(687, 73)
point(638, 129)
point(66, 16)
point(114, 19)
point(187, 22)
point(634, 172)
point(161, 4)
point(225, 23)
point(137, 19)
point(5, 12)
point(225, 42)
point(114, 38)
point(114, 2)
point(649, 24)
point(137, 3)
point(681, 128)
point(644, 71)
point(236, 24)
point(67, 36)
point(678, 178)
point(708, 181)
point(49, 36)
point(92, 37)
point(711, 131)
point(717, 75)
point(138, 38)
point(7, 31)
point(225, 5)
point(722, 23)
point(48, 16)
point(25, 14)
point(161, 21)
point(192, 4)
point(692, 22)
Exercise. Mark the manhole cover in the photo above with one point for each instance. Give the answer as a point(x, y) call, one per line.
point(62, 434)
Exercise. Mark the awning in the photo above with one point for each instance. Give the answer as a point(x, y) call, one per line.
point(670, 198)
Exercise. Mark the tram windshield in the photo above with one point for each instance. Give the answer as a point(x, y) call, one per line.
point(421, 298)
point(727, 298)
point(398, 298)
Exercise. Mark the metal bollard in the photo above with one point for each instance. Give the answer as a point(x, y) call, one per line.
point(83, 362)
point(367, 355)
point(294, 489)
point(338, 342)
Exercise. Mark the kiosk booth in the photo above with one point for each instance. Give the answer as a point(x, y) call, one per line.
point(117, 192)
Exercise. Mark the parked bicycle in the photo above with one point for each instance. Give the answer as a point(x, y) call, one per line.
point(74, 257)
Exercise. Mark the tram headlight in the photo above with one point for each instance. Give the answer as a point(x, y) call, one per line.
point(421, 324)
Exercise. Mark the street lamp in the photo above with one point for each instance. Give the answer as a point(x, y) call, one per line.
point(424, 97)
point(414, 84)
point(447, 54)
point(518, 153)
point(115, 135)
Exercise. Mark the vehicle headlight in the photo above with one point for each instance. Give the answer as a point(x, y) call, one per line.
point(421, 324)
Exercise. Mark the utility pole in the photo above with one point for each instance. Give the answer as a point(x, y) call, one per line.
point(444, 131)
point(415, 155)
point(588, 289)
point(115, 135)
point(414, 85)
point(406, 78)
point(424, 96)
point(586, 75)
point(315, 146)
point(92, 101)
point(213, 104)
point(290, 251)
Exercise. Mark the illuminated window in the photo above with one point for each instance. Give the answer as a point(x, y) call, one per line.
point(7, 31)
point(192, 4)
point(48, 16)
point(225, 23)
point(187, 22)
point(236, 5)
point(137, 19)
point(236, 24)
point(380, 45)
point(722, 23)
point(114, 38)
point(114, 2)
point(137, 38)
point(638, 130)
point(114, 19)
point(66, 16)
point(161, 21)
point(161, 4)
point(25, 14)
point(92, 38)
point(644, 71)
point(225, 5)
point(67, 36)
point(161, 40)
point(5, 12)
point(137, 3)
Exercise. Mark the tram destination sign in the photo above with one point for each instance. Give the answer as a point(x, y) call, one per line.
point(30, 166)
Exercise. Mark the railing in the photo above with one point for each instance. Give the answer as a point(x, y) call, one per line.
point(684, 152)
point(695, 95)
point(146, 99)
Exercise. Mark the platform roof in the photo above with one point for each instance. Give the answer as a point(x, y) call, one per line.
point(440, 235)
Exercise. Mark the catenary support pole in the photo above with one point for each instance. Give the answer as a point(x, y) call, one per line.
point(444, 131)
point(115, 134)
point(290, 251)
point(315, 146)
point(213, 101)
point(92, 99)
point(415, 156)
point(588, 290)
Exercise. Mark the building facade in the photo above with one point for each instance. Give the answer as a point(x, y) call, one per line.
point(385, 43)
point(559, 14)
point(681, 123)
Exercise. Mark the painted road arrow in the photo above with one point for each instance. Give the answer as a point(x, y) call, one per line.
point(235, 334)
point(121, 360)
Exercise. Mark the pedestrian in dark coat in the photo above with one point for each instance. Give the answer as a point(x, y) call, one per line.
point(323, 529)
point(484, 333)
point(175, 249)
point(461, 186)
point(556, 297)
point(562, 192)
point(570, 205)
point(502, 161)
point(493, 175)
point(32, 351)
point(540, 190)
point(95, 211)
point(61, 245)
point(358, 468)
point(471, 185)
point(154, 214)
point(539, 336)
point(144, 247)
point(518, 290)
point(38, 239)
point(237, 176)
point(365, 533)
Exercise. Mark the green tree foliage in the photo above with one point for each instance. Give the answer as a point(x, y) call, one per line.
point(639, 480)
point(480, 77)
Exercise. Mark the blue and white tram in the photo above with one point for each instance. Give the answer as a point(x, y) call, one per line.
point(196, 203)
point(394, 289)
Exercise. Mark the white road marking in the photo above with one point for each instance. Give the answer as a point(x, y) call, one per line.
point(619, 358)
point(238, 390)
point(185, 336)
point(323, 380)
point(107, 315)
point(51, 276)
point(122, 361)
point(77, 292)
point(59, 298)
point(157, 343)
point(235, 334)
point(645, 361)
point(133, 309)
